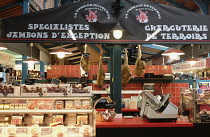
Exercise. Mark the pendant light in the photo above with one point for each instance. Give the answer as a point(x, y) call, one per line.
point(31, 60)
point(61, 52)
point(173, 53)
point(2, 47)
point(192, 60)
point(8, 70)
point(117, 31)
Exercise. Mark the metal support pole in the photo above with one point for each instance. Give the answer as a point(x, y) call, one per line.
point(42, 68)
point(117, 82)
point(111, 74)
point(24, 69)
point(25, 6)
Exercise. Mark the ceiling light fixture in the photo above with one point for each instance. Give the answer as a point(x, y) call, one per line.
point(61, 52)
point(153, 34)
point(72, 34)
point(192, 60)
point(117, 31)
point(173, 53)
point(8, 70)
point(2, 47)
point(31, 60)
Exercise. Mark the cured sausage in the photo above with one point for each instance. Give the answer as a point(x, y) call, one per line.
point(126, 73)
point(140, 65)
point(84, 61)
point(100, 74)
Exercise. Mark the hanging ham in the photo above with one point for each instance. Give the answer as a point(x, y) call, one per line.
point(84, 61)
point(140, 65)
point(126, 73)
point(100, 74)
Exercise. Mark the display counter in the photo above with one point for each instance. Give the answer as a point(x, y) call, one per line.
point(139, 122)
point(136, 127)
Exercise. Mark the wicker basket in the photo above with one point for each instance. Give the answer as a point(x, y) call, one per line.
point(107, 115)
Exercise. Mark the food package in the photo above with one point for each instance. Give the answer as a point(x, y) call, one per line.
point(86, 130)
point(31, 105)
point(59, 105)
point(11, 131)
point(37, 120)
point(60, 130)
point(46, 132)
point(12, 106)
point(77, 104)
point(73, 131)
point(34, 130)
point(82, 119)
point(6, 106)
point(21, 131)
point(41, 105)
point(69, 104)
point(58, 119)
point(86, 104)
point(49, 105)
point(16, 120)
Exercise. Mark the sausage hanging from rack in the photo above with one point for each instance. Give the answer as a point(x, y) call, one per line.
point(100, 74)
point(84, 61)
point(126, 73)
point(140, 65)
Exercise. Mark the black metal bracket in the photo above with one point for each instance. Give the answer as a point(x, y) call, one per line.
point(117, 6)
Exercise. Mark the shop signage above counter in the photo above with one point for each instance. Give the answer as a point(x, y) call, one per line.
point(202, 64)
point(92, 22)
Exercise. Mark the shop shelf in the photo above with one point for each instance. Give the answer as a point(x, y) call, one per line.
point(45, 111)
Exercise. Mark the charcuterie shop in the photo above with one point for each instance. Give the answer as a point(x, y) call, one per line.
point(88, 68)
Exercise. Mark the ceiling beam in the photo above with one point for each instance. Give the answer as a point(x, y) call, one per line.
point(178, 5)
point(10, 5)
point(203, 5)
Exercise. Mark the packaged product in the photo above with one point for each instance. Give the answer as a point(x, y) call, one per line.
point(82, 119)
point(31, 105)
point(41, 105)
point(34, 130)
point(1, 106)
point(11, 131)
point(37, 120)
point(24, 105)
point(16, 106)
point(59, 105)
point(46, 132)
point(73, 131)
point(86, 104)
point(49, 105)
point(16, 120)
point(6, 106)
point(86, 130)
point(21, 131)
point(60, 130)
point(12, 106)
point(69, 104)
point(58, 119)
point(20, 106)
point(77, 104)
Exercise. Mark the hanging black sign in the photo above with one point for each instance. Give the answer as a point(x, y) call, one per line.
point(92, 22)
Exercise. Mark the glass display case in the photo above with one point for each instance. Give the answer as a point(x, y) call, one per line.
point(47, 116)
point(196, 104)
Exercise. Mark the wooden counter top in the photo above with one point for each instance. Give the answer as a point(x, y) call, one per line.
point(139, 122)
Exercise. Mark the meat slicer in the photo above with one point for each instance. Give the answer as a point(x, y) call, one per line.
point(158, 108)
